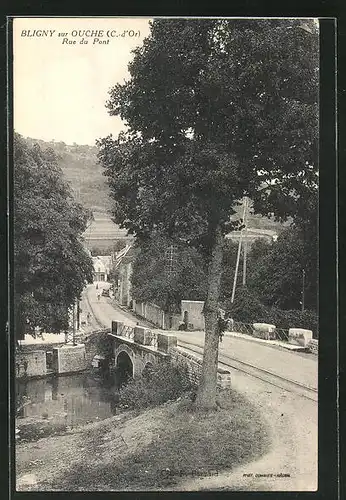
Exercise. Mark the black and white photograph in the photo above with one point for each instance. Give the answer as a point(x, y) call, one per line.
point(166, 253)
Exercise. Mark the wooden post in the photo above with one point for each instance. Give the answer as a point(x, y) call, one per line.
point(238, 255)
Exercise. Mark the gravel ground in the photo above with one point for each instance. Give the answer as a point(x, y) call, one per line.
point(292, 421)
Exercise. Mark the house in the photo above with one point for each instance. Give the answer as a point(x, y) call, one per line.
point(124, 260)
point(102, 265)
point(124, 283)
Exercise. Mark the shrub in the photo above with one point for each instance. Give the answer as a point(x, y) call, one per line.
point(294, 319)
point(162, 383)
point(247, 308)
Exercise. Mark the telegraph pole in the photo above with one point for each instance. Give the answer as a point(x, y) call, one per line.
point(171, 260)
point(303, 289)
point(238, 255)
point(245, 239)
point(74, 324)
point(78, 314)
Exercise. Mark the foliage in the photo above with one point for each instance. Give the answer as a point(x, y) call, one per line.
point(162, 383)
point(51, 266)
point(277, 276)
point(247, 308)
point(239, 95)
point(166, 271)
point(233, 113)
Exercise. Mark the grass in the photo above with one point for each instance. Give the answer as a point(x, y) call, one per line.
point(160, 447)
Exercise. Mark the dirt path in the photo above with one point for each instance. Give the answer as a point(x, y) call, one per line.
point(292, 421)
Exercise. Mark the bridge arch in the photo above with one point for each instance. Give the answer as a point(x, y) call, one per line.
point(125, 367)
point(124, 359)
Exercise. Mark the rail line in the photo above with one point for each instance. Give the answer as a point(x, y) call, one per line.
point(259, 373)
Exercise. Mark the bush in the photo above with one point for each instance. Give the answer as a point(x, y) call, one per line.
point(162, 383)
point(247, 308)
point(294, 319)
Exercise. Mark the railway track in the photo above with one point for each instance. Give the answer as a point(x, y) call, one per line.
point(226, 361)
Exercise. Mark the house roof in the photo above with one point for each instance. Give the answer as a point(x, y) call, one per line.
point(102, 263)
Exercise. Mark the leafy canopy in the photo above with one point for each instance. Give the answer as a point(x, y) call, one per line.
point(51, 266)
point(166, 271)
point(215, 109)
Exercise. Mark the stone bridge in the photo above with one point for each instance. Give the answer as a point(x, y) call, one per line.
point(135, 349)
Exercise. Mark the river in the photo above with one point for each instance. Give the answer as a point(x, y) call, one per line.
point(56, 405)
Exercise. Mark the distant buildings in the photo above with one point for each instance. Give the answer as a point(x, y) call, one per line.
point(102, 266)
point(123, 264)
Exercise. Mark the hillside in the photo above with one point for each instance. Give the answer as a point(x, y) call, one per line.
point(81, 169)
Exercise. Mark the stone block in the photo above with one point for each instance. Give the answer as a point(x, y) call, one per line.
point(166, 342)
point(224, 380)
point(31, 364)
point(117, 327)
point(313, 346)
point(69, 358)
point(141, 335)
point(264, 331)
point(299, 336)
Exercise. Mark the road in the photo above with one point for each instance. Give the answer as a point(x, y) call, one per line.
point(301, 368)
point(291, 419)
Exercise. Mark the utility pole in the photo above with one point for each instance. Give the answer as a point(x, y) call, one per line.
point(171, 259)
point(170, 255)
point(78, 314)
point(238, 254)
point(303, 289)
point(245, 239)
point(74, 325)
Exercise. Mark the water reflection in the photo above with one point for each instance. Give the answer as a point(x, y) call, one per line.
point(67, 401)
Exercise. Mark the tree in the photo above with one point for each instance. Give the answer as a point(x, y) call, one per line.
point(277, 276)
point(167, 271)
point(215, 110)
point(51, 266)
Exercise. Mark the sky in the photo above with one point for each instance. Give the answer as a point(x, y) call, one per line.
point(60, 89)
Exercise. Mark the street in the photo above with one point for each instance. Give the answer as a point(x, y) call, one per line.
point(302, 368)
point(292, 419)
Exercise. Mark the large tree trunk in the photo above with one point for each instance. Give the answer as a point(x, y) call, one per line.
point(206, 394)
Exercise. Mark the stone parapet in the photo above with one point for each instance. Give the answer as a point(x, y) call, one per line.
point(313, 346)
point(264, 331)
point(165, 342)
point(31, 364)
point(117, 327)
point(69, 359)
point(142, 335)
point(194, 367)
point(299, 336)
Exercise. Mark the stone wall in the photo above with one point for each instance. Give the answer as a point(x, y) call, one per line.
point(194, 367)
point(195, 317)
point(31, 364)
point(98, 343)
point(69, 358)
point(154, 314)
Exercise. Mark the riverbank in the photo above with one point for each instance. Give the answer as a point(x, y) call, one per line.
point(156, 449)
